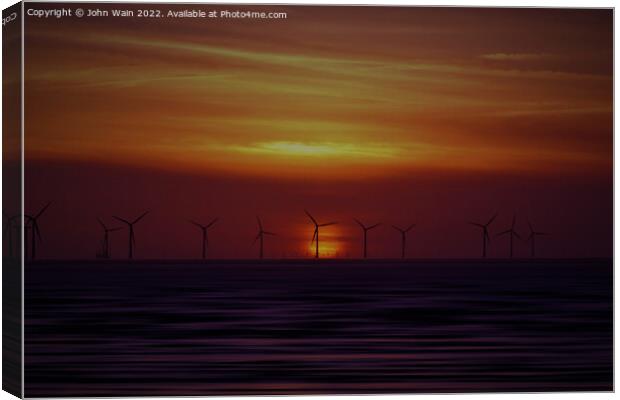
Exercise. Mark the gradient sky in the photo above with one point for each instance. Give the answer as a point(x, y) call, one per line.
point(434, 116)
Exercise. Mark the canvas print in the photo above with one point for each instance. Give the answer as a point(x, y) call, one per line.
point(280, 199)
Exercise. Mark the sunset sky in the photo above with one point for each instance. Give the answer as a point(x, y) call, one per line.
point(434, 116)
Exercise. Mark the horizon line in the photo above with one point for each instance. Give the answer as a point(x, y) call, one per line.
point(312, 260)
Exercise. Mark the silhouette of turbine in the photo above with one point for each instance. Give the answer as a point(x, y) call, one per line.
point(260, 235)
point(511, 232)
point(12, 229)
point(33, 223)
point(27, 228)
point(366, 229)
point(532, 238)
point(7, 231)
point(485, 233)
point(205, 235)
point(403, 238)
point(315, 235)
point(17, 224)
point(132, 238)
point(105, 246)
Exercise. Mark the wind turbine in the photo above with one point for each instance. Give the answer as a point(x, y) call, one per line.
point(261, 234)
point(532, 237)
point(33, 222)
point(132, 238)
point(106, 238)
point(17, 232)
point(511, 232)
point(485, 233)
point(12, 229)
point(403, 238)
point(366, 229)
point(26, 226)
point(315, 235)
point(7, 231)
point(205, 235)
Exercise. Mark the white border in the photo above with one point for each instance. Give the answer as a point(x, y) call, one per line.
point(457, 3)
point(23, 221)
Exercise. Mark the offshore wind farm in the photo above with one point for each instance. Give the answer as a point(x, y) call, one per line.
point(29, 231)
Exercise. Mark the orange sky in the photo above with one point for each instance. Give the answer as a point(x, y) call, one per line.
point(328, 94)
point(372, 90)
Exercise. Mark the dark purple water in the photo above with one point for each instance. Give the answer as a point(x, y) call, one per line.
point(97, 329)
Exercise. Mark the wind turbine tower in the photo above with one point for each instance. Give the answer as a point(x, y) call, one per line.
point(132, 237)
point(366, 229)
point(315, 235)
point(261, 234)
point(403, 238)
point(106, 238)
point(205, 235)
point(532, 238)
point(512, 233)
point(33, 223)
point(485, 233)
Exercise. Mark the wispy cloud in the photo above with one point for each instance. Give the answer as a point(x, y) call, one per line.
point(515, 56)
point(319, 149)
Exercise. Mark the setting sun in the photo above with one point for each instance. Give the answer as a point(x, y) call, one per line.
point(327, 249)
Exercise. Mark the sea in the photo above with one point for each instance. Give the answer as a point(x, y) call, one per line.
point(226, 327)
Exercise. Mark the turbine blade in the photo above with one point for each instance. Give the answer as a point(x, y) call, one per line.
point(210, 224)
point(398, 229)
point(516, 235)
point(260, 225)
point(514, 220)
point(42, 210)
point(114, 229)
point(311, 217)
point(269, 233)
point(140, 217)
point(530, 225)
point(492, 219)
point(102, 224)
point(409, 228)
point(359, 223)
point(328, 224)
point(195, 223)
point(503, 233)
point(256, 239)
point(373, 226)
point(121, 219)
point(316, 231)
